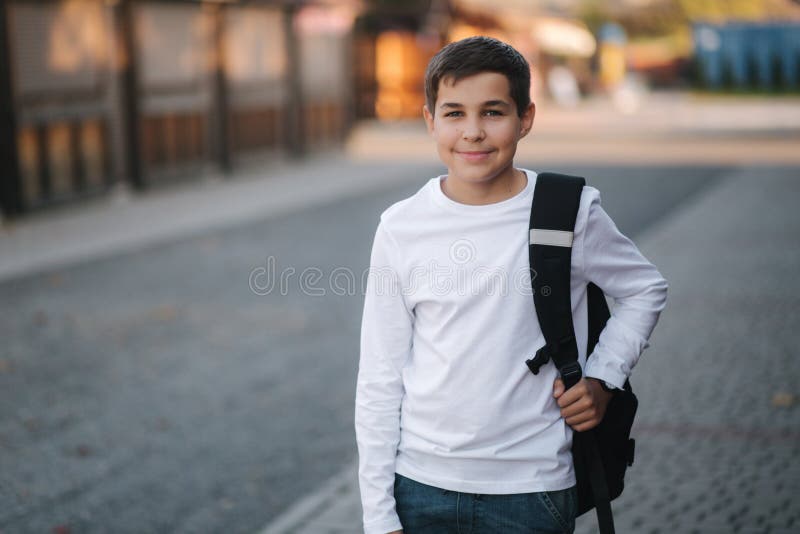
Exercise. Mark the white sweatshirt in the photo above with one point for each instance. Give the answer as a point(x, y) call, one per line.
point(444, 396)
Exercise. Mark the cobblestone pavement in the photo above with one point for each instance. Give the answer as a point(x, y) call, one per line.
point(719, 425)
point(718, 431)
point(157, 390)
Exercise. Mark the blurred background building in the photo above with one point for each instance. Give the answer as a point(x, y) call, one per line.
point(96, 92)
point(102, 93)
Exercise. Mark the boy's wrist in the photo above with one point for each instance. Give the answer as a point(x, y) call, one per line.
point(607, 386)
point(611, 388)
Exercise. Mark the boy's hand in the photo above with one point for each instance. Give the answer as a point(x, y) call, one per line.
point(584, 404)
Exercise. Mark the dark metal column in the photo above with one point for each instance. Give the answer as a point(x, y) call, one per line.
point(350, 104)
point(295, 123)
point(130, 96)
point(78, 167)
point(10, 179)
point(221, 133)
point(43, 162)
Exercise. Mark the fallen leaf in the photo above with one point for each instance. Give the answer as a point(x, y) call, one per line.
point(162, 424)
point(40, 318)
point(32, 424)
point(165, 312)
point(782, 399)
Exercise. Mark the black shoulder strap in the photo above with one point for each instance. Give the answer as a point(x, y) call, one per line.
point(556, 200)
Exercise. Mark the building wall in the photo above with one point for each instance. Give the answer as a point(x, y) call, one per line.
point(63, 91)
point(198, 87)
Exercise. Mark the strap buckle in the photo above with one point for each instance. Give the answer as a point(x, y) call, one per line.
point(571, 374)
point(545, 354)
point(541, 357)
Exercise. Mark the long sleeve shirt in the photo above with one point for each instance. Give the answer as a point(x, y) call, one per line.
point(443, 394)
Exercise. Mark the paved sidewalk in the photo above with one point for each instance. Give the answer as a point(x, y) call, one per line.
point(718, 432)
point(125, 221)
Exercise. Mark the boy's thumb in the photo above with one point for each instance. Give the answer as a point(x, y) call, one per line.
point(558, 388)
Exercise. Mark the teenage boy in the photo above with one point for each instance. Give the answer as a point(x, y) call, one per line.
point(454, 433)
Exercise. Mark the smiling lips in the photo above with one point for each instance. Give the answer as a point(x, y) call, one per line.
point(474, 155)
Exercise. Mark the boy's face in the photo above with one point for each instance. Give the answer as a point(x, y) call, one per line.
point(476, 127)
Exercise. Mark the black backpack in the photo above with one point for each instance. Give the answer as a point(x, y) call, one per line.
point(601, 454)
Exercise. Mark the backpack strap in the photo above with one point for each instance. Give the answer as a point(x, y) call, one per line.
point(556, 200)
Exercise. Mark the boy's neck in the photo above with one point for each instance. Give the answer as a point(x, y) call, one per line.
point(503, 187)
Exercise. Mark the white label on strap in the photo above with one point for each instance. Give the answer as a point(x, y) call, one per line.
point(553, 238)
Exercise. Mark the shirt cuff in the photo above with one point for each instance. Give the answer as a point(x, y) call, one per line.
point(607, 373)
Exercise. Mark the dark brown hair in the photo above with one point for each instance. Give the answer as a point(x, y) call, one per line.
point(474, 55)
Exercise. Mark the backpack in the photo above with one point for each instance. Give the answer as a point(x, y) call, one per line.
point(601, 454)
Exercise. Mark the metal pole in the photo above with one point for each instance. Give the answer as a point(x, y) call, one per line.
point(221, 138)
point(10, 181)
point(295, 127)
point(130, 96)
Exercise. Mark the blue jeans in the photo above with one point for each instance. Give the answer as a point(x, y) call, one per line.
point(427, 509)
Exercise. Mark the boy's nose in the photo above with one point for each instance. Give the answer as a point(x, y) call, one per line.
point(472, 132)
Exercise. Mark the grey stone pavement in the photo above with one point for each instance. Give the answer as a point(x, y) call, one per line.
point(718, 429)
point(124, 221)
point(718, 433)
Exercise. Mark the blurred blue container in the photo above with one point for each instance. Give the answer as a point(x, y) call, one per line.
point(708, 46)
point(734, 54)
point(748, 54)
point(760, 39)
point(790, 54)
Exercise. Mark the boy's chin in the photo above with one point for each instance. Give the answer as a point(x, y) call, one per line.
point(474, 175)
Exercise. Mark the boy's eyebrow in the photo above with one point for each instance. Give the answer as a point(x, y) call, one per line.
point(488, 103)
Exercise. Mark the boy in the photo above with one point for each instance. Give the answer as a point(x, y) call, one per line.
point(454, 433)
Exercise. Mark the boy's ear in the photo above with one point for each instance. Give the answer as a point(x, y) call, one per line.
point(428, 116)
point(526, 121)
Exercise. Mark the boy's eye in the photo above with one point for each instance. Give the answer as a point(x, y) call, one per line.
point(487, 113)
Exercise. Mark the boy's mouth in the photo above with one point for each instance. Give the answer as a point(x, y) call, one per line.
point(473, 155)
